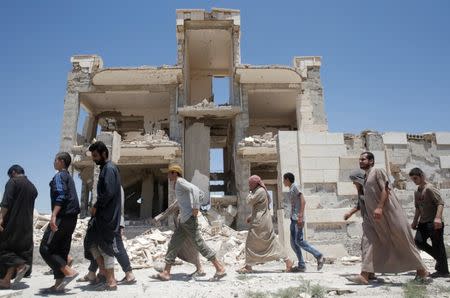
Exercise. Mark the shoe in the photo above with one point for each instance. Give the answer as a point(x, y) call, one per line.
point(438, 274)
point(298, 269)
point(320, 263)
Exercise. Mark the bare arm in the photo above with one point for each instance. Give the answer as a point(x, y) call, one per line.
point(438, 218)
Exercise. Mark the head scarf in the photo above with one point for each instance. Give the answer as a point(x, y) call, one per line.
point(255, 181)
point(358, 176)
point(176, 168)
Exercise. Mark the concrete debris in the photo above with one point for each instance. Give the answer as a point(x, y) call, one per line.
point(266, 140)
point(350, 260)
point(149, 248)
point(159, 138)
point(204, 104)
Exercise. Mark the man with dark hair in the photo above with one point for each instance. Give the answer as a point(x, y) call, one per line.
point(55, 244)
point(16, 226)
point(393, 247)
point(188, 228)
point(298, 204)
point(101, 237)
point(428, 221)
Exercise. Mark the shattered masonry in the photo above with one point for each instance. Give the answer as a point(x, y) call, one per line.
point(273, 121)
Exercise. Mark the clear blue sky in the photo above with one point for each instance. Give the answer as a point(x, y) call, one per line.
point(385, 63)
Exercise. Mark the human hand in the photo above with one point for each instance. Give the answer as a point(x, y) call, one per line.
point(195, 212)
point(377, 213)
point(1, 226)
point(414, 225)
point(300, 222)
point(93, 211)
point(53, 225)
point(437, 223)
point(249, 219)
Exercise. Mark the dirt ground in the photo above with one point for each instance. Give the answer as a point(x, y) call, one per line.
point(268, 281)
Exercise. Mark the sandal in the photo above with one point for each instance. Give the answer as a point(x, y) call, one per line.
point(86, 279)
point(358, 279)
point(198, 274)
point(125, 281)
point(66, 281)
point(159, 277)
point(20, 274)
point(105, 287)
point(218, 276)
point(244, 271)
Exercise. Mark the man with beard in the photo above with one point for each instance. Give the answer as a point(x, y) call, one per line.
point(388, 231)
point(16, 226)
point(104, 230)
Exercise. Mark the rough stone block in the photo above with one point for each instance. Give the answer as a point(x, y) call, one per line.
point(380, 159)
point(312, 202)
point(349, 162)
point(322, 150)
point(335, 139)
point(326, 163)
point(443, 138)
point(445, 162)
point(346, 189)
point(330, 175)
point(329, 216)
point(395, 138)
point(313, 176)
point(288, 153)
point(309, 138)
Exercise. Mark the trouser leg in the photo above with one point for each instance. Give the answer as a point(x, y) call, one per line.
point(193, 232)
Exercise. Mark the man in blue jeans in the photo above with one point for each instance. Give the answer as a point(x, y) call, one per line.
point(297, 224)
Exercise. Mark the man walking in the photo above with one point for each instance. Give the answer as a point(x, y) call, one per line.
point(106, 212)
point(428, 221)
point(55, 244)
point(297, 224)
point(393, 247)
point(188, 227)
point(16, 226)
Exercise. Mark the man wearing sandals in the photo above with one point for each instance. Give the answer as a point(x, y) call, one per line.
point(188, 227)
point(106, 212)
point(16, 226)
point(55, 244)
point(388, 230)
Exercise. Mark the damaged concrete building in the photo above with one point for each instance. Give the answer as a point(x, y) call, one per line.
point(272, 121)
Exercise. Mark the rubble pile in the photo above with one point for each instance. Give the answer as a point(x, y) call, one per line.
point(150, 247)
point(41, 222)
point(158, 138)
point(266, 140)
point(204, 104)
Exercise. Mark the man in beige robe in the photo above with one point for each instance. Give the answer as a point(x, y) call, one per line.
point(389, 232)
point(262, 243)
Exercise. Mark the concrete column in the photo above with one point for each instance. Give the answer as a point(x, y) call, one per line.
point(241, 167)
point(196, 151)
point(311, 115)
point(175, 123)
point(147, 195)
point(77, 81)
point(160, 197)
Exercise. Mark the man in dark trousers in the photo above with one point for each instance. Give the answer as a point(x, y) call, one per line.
point(428, 221)
point(55, 244)
point(16, 226)
point(105, 226)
